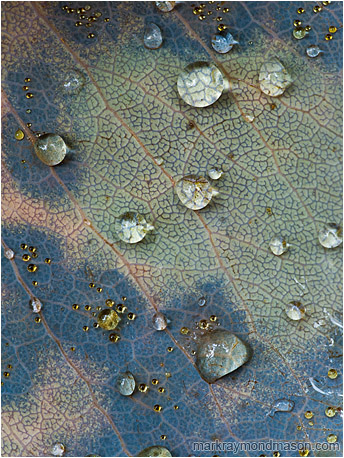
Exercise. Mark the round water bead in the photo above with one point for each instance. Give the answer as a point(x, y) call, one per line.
point(281, 405)
point(200, 84)
point(330, 412)
point(19, 135)
point(36, 305)
point(58, 449)
point(132, 227)
point(331, 438)
point(332, 373)
point(152, 37)
point(278, 245)
point(159, 321)
point(331, 236)
point(195, 192)
point(155, 450)
point(73, 81)
point(9, 254)
point(274, 78)
point(108, 319)
point(50, 149)
point(223, 41)
point(165, 7)
point(313, 51)
point(299, 33)
point(219, 353)
point(215, 173)
point(295, 310)
point(126, 383)
point(202, 301)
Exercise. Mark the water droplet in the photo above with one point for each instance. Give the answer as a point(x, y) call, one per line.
point(295, 310)
point(108, 319)
point(313, 51)
point(143, 387)
point(219, 353)
point(278, 245)
point(332, 29)
point(328, 37)
point(36, 305)
point(50, 149)
point(47, 260)
point(132, 227)
point(131, 316)
point(215, 173)
point(330, 412)
point(223, 41)
point(299, 33)
point(309, 414)
point(202, 301)
point(126, 383)
point(73, 81)
point(195, 192)
point(32, 268)
point(159, 321)
point(58, 449)
point(300, 10)
point(184, 331)
point(274, 78)
point(200, 84)
point(331, 438)
point(281, 405)
point(169, 349)
point(19, 135)
point(157, 408)
point(9, 254)
point(155, 450)
point(165, 7)
point(332, 373)
point(331, 236)
point(152, 37)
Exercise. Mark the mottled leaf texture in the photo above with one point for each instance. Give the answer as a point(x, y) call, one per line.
point(131, 138)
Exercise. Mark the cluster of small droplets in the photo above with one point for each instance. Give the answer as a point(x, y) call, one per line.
point(84, 17)
point(202, 11)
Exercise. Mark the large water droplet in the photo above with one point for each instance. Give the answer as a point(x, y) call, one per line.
point(108, 319)
point(200, 84)
point(281, 405)
point(159, 321)
point(36, 305)
point(331, 236)
point(278, 245)
point(50, 149)
point(295, 310)
point(219, 353)
point(126, 383)
point(165, 7)
point(73, 81)
point(132, 227)
point(58, 449)
point(313, 51)
point(155, 450)
point(215, 173)
point(152, 37)
point(274, 78)
point(223, 41)
point(9, 254)
point(195, 192)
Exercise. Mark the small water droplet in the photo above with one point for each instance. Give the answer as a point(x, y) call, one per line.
point(159, 160)
point(58, 449)
point(132, 227)
point(219, 353)
point(332, 373)
point(184, 331)
point(200, 84)
point(126, 383)
point(331, 236)
point(157, 408)
point(73, 81)
point(32, 267)
point(9, 254)
point(249, 118)
point(313, 51)
point(299, 33)
point(281, 405)
point(223, 41)
point(19, 135)
point(278, 245)
point(332, 29)
point(108, 319)
point(36, 305)
point(295, 310)
point(152, 37)
point(202, 301)
point(50, 149)
point(195, 192)
point(330, 412)
point(274, 78)
point(159, 321)
point(155, 450)
point(331, 438)
point(215, 173)
point(309, 414)
point(143, 387)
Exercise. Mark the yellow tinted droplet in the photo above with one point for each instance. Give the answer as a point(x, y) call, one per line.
point(299, 33)
point(201, 17)
point(163, 437)
point(161, 389)
point(27, 80)
point(87, 307)
point(332, 373)
point(109, 302)
point(308, 28)
point(298, 427)
point(75, 306)
point(203, 324)
point(184, 331)
point(317, 9)
point(50, 149)
point(92, 285)
point(176, 407)
point(155, 381)
point(114, 337)
point(99, 290)
point(170, 349)
point(225, 10)
point(37, 319)
point(6, 374)
point(121, 308)
point(213, 318)
point(131, 316)
point(276, 454)
point(26, 257)
point(328, 37)
point(143, 387)
point(91, 35)
point(311, 423)
point(29, 95)
point(47, 260)
point(19, 135)
point(23, 246)
point(297, 23)
point(308, 414)
point(157, 408)
point(34, 283)
point(304, 452)
point(330, 412)
point(108, 319)
point(332, 29)
point(32, 249)
point(32, 268)
point(331, 438)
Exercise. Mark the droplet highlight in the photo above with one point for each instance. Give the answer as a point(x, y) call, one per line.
point(9, 254)
point(313, 51)
point(295, 310)
point(278, 245)
point(36, 305)
point(331, 236)
point(73, 81)
point(155, 450)
point(159, 321)
point(165, 7)
point(223, 41)
point(126, 383)
point(108, 319)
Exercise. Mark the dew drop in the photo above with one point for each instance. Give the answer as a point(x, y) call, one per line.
point(332, 373)
point(185, 331)
point(9, 254)
point(19, 135)
point(155, 450)
point(152, 37)
point(195, 192)
point(295, 310)
point(132, 227)
point(50, 149)
point(331, 438)
point(281, 405)
point(36, 305)
point(108, 319)
point(32, 268)
point(73, 81)
point(223, 41)
point(278, 245)
point(330, 412)
point(299, 33)
point(159, 321)
point(215, 173)
point(157, 408)
point(274, 78)
point(200, 84)
point(202, 301)
point(113, 337)
point(313, 51)
point(143, 387)
point(58, 449)
point(165, 7)
point(309, 414)
point(159, 160)
point(331, 236)
point(126, 383)
point(219, 353)
point(332, 29)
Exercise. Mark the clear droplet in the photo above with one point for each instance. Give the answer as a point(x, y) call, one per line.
point(195, 192)
point(152, 37)
point(331, 236)
point(126, 383)
point(155, 450)
point(274, 78)
point(19, 135)
point(219, 353)
point(313, 51)
point(200, 84)
point(278, 245)
point(299, 33)
point(159, 160)
point(36, 305)
point(223, 41)
point(73, 81)
point(281, 405)
point(132, 227)
point(58, 449)
point(295, 310)
point(50, 149)
point(202, 301)
point(165, 7)
point(108, 319)
point(215, 173)
point(9, 254)
point(159, 321)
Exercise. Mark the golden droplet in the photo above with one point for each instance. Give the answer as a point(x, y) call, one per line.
point(27, 80)
point(25, 88)
point(124, 298)
point(32, 249)
point(109, 303)
point(47, 260)
point(163, 437)
point(311, 423)
point(75, 306)
point(85, 328)
point(219, 19)
point(92, 285)
point(168, 374)
point(131, 316)
point(91, 35)
point(32, 268)
point(197, 10)
point(176, 407)
point(331, 438)
point(78, 24)
point(9, 366)
point(99, 290)
point(269, 211)
point(309, 414)
point(87, 307)
point(29, 124)
point(121, 308)
point(99, 307)
point(317, 9)
point(157, 408)
point(300, 10)
point(97, 14)
point(19, 135)
point(169, 349)
point(6, 374)
point(72, 348)
point(29, 95)
point(225, 10)
point(161, 389)
point(297, 23)
point(26, 257)
point(213, 318)
point(184, 331)
point(330, 412)
point(203, 324)
point(276, 454)
point(304, 452)
point(106, 19)
point(23, 161)
point(23, 246)
point(326, 3)
point(38, 319)
point(328, 37)
point(34, 255)
point(332, 373)
point(298, 427)
point(308, 28)
point(34, 283)
point(221, 27)
point(332, 29)
point(143, 387)
point(114, 337)
point(201, 17)
point(155, 381)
